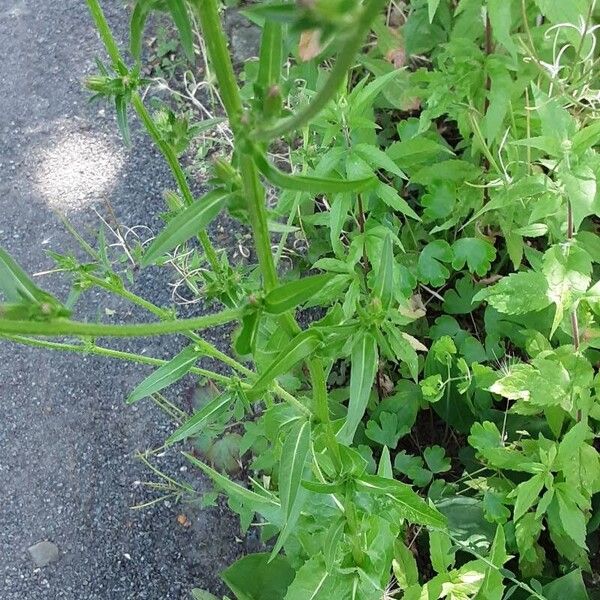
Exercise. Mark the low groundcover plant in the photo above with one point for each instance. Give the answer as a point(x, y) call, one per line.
point(415, 399)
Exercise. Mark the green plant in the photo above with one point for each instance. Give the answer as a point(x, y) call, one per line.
point(449, 337)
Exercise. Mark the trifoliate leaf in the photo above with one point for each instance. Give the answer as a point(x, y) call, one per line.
point(430, 265)
point(476, 253)
point(436, 459)
point(459, 301)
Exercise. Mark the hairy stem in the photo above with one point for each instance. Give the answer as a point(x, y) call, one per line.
point(67, 327)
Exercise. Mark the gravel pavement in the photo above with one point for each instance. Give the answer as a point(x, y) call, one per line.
point(68, 474)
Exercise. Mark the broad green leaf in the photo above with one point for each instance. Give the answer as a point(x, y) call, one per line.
point(392, 198)
point(571, 516)
point(569, 586)
point(557, 122)
point(290, 295)
point(436, 459)
point(500, 13)
point(315, 185)
point(185, 225)
point(580, 186)
point(586, 138)
point(441, 551)
point(528, 494)
point(314, 582)
point(165, 375)
point(383, 286)
point(476, 253)
point(571, 444)
point(413, 507)
point(517, 294)
point(430, 265)
point(199, 419)
point(257, 577)
point(364, 364)
point(384, 431)
point(404, 566)
point(178, 11)
point(568, 272)
point(299, 348)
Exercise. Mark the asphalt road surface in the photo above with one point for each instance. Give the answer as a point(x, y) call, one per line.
point(68, 474)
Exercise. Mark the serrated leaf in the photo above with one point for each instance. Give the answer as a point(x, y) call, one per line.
point(198, 420)
point(166, 375)
point(580, 186)
point(185, 225)
point(528, 494)
point(413, 507)
point(518, 294)
point(290, 295)
point(364, 364)
point(378, 159)
point(476, 253)
point(392, 198)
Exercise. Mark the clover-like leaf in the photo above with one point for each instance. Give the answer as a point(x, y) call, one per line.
point(430, 265)
point(459, 301)
point(476, 253)
point(436, 459)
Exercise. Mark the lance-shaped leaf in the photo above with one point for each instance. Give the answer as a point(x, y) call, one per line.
point(413, 507)
point(181, 18)
point(271, 55)
point(293, 458)
point(364, 361)
point(302, 346)
point(165, 375)
point(199, 419)
point(17, 287)
point(289, 295)
point(315, 185)
point(185, 225)
point(265, 505)
point(383, 287)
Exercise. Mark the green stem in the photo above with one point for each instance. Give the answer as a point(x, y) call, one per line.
point(165, 315)
point(109, 352)
point(255, 200)
point(343, 64)
point(216, 47)
point(107, 37)
point(178, 174)
point(66, 327)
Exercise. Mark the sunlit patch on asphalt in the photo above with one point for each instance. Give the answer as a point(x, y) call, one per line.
point(77, 171)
